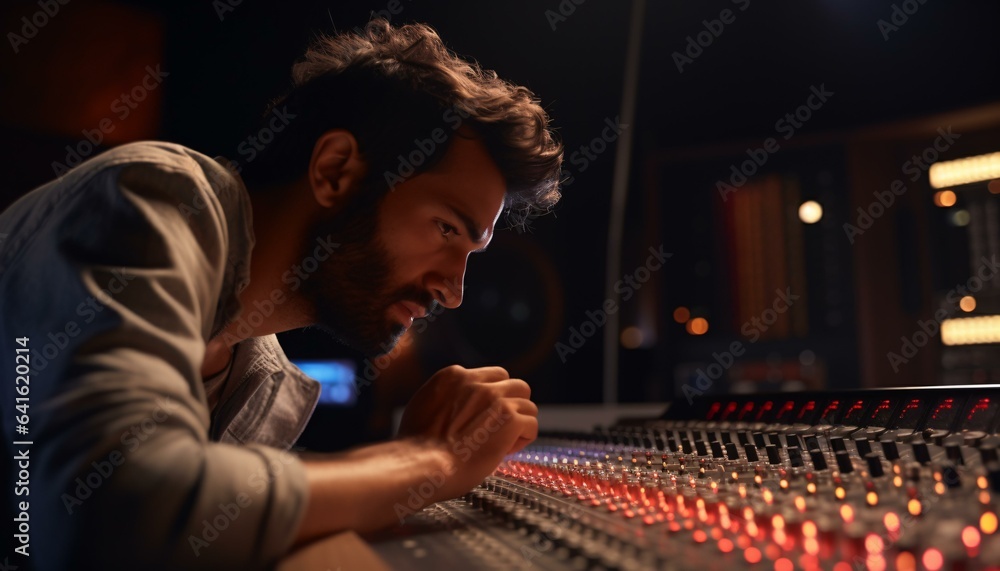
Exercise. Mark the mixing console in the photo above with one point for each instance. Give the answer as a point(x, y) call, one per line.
point(886, 479)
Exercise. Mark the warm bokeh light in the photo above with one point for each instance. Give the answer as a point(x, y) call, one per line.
point(784, 564)
point(682, 314)
point(631, 337)
point(697, 326)
point(970, 537)
point(874, 543)
point(988, 523)
point(752, 555)
point(914, 507)
point(905, 561)
point(967, 303)
point(810, 212)
point(847, 512)
point(971, 330)
point(945, 198)
point(872, 498)
point(965, 171)
point(933, 560)
point(891, 521)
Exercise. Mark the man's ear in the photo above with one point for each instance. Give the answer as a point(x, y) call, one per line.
point(336, 168)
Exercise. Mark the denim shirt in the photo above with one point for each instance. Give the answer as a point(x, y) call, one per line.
point(118, 274)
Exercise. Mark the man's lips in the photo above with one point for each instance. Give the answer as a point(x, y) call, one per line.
point(408, 311)
point(416, 311)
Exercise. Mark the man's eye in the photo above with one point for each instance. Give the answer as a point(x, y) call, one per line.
point(447, 229)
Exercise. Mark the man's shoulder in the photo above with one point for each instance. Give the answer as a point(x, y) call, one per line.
point(166, 156)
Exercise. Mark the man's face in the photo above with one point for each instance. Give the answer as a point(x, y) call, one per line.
point(400, 257)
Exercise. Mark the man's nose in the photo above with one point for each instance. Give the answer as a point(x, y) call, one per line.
point(449, 287)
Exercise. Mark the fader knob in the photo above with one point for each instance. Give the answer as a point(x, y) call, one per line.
point(751, 451)
point(890, 450)
point(949, 474)
point(795, 456)
point(953, 448)
point(732, 452)
point(838, 444)
point(819, 461)
point(874, 465)
point(699, 445)
point(716, 449)
point(921, 453)
point(864, 446)
point(844, 462)
point(993, 475)
point(772, 454)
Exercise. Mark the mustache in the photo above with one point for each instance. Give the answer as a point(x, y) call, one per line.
point(416, 295)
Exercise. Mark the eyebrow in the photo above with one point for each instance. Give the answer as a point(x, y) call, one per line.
point(472, 230)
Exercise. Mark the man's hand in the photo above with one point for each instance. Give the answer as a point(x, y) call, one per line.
point(477, 415)
point(454, 433)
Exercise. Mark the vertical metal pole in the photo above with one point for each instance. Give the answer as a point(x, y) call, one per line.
point(619, 192)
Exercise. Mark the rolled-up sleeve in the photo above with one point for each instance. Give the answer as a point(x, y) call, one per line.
point(116, 291)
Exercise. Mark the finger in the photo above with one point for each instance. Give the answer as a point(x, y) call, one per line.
point(527, 432)
point(490, 374)
point(510, 388)
point(525, 406)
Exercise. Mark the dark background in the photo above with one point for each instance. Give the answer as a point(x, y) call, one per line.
point(530, 288)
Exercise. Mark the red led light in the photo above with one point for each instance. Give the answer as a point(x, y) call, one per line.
point(884, 405)
point(858, 405)
point(787, 407)
point(946, 404)
point(808, 407)
point(830, 408)
point(747, 409)
point(768, 405)
point(713, 409)
point(912, 405)
point(983, 404)
point(730, 409)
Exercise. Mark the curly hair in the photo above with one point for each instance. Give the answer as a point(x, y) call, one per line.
point(395, 87)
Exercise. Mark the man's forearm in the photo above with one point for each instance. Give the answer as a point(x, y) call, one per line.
point(362, 489)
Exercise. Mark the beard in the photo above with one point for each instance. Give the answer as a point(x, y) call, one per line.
point(352, 290)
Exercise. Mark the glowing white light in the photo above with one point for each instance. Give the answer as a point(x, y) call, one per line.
point(965, 171)
point(971, 330)
point(810, 212)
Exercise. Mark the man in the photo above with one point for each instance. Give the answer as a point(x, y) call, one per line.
point(145, 288)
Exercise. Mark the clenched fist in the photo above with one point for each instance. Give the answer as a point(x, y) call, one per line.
point(477, 416)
